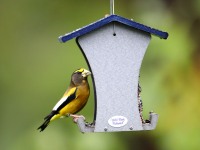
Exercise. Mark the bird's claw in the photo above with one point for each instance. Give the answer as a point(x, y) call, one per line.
point(76, 117)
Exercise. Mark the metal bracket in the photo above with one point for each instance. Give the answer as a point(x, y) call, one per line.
point(85, 127)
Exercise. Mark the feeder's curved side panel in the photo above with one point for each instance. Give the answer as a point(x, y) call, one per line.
point(92, 76)
point(115, 62)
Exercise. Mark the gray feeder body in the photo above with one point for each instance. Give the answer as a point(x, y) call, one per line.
point(115, 62)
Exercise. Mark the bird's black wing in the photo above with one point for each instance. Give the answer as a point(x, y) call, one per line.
point(66, 99)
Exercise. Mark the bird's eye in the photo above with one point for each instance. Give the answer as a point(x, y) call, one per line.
point(78, 72)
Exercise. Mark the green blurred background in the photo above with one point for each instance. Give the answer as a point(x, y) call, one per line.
point(35, 70)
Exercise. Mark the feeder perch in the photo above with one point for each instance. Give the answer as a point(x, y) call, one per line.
point(114, 48)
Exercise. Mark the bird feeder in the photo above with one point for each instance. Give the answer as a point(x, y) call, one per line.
point(114, 48)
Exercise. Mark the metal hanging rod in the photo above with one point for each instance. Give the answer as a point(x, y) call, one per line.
point(112, 5)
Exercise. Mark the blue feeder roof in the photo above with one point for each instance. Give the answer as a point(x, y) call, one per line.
point(106, 20)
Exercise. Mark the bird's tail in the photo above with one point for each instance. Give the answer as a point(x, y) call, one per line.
point(47, 121)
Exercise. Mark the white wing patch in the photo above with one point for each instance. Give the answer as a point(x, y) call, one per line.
point(62, 100)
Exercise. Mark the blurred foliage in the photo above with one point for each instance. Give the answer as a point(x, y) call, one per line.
point(35, 70)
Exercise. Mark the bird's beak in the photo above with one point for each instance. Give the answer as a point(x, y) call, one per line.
point(86, 73)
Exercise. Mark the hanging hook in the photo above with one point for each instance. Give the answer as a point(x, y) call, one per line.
point(112, 5)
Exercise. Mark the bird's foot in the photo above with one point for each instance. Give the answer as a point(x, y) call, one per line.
point(75, 117)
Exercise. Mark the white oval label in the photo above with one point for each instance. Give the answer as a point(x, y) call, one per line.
point(117, 121)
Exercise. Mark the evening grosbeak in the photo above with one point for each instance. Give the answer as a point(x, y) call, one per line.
point(73, 100)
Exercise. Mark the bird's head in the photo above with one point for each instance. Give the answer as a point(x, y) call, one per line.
point(79, 75)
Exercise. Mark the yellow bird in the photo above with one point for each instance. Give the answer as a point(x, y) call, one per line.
point(73, 100)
